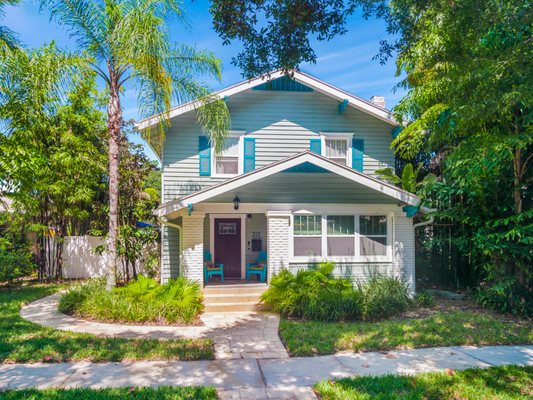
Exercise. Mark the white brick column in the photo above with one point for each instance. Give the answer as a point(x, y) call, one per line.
point(192, 254)
point(404, 249)
point(278, 225)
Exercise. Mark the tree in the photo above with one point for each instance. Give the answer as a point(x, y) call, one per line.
point(8, 40)
point(51, 146)
point(128, 40)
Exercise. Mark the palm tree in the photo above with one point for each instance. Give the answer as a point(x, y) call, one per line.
point(128, 41)
point(8, 40)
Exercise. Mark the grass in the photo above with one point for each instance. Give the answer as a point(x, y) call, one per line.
point(502, 383)
point(439, 329)
point(23, 341)
point(138, 393)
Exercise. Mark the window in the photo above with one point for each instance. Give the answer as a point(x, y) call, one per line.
point(227, 162)
point(341, 235)
point(373, 230)
point(341, 238)
point(307, 235)
point(337, 150)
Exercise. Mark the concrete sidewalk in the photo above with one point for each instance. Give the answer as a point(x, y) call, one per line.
point(289, 378)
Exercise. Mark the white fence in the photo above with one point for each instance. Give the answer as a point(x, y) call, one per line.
point(80, 260)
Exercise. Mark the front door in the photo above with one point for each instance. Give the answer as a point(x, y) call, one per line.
point(228, 246)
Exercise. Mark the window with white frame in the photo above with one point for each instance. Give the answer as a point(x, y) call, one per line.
point(337, 149)
point(307, 235)
point(341, 235)
point(373, 235)
point(227, 162)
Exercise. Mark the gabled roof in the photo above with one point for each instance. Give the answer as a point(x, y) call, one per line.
point(305, 157)
point(300, 77)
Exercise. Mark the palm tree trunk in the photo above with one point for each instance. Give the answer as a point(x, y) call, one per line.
point(114, 123)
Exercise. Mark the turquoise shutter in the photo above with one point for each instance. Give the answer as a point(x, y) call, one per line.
point(249, 154)
point(315, 145)
point(358, 152)
point(204, 151)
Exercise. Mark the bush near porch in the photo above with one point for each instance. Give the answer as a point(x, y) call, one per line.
point(143, 300)
point(319, 296)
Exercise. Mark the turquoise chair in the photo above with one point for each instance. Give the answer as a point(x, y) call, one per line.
point(258, 268)
point(215, 269)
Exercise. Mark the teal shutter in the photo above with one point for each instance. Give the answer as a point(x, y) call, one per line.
point(249, 154)
point(204, 151)
point(315, 145)
point(358, 152)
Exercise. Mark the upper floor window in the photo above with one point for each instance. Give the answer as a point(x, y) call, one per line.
point(227, 162)
point(336, 149)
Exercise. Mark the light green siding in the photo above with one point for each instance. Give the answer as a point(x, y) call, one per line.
point(282, 124)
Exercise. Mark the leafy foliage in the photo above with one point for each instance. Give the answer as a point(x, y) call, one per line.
point(384, 297)
point(315, 294)
point(8, 39)
point(423, 299)
point(142, 300)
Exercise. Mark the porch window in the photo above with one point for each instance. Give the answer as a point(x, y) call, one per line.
point(337, 150)
point(373, 235)
point(227, 162)
point(341, 235)
point(308, 235)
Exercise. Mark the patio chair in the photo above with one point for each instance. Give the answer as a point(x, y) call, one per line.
point(258, 268)
point(212, 269)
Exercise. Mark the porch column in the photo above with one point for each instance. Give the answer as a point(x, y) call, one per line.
point(278, 225)
point(192, 255)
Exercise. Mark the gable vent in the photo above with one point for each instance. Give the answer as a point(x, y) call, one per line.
point(283, 84)
point(378, 101)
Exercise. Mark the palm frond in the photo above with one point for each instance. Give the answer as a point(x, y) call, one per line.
point(85, 21)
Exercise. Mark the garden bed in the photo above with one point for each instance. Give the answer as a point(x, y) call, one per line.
point(496, 383)
point(23, 341)
point(140, 302)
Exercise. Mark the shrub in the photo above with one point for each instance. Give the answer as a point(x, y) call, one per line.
point(506, 297)
point(142, 300)
point(423, 299)
point(317, 295)
point(14, 263)
point(312, 294)
point(383, 297)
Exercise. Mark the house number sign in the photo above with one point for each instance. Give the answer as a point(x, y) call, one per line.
point(227, 228)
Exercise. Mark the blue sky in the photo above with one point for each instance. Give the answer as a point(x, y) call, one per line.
point(346, 61)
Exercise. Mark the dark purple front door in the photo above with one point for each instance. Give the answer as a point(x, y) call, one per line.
point(228, 246)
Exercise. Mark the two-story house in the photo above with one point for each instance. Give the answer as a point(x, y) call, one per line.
point(296, 179)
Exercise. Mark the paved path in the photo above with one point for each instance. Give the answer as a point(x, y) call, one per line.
point(289, 378)
point(235, 335)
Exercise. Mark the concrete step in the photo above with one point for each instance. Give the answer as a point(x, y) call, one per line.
point(235, 307)
point(231, 298)
point(231, 289)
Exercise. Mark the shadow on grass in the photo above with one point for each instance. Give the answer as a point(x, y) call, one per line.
point(23, 341)
point(162, 393)
point(509, 382)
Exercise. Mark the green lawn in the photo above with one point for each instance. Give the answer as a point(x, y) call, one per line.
point(439, 329)
point(23, 341)
point(161, 393)
point(502, 383)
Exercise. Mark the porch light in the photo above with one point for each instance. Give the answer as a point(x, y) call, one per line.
point(236, 202)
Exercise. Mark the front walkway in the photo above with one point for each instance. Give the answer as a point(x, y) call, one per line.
point(289, 378)
point(235, 335)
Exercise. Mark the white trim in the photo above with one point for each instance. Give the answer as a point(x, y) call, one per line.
point(307, 156)
point(310, 81)
point(357, 258)
point(242, 217)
